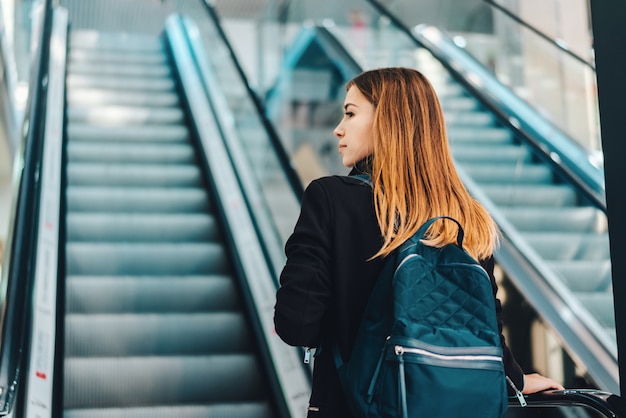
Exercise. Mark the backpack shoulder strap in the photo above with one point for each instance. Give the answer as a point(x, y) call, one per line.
point(422, 230)
point(365, 178)
point(379, 304)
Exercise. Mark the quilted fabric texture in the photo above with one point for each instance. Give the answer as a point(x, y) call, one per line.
point(429, 292)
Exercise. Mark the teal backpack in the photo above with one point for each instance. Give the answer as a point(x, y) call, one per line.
point(428, 344)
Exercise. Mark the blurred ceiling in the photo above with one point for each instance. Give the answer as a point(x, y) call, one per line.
point(242, 8)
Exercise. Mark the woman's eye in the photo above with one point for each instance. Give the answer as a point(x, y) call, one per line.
point(349, 114)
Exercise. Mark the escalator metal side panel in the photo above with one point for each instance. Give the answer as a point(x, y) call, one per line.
point(40, 370)
point(253, 264)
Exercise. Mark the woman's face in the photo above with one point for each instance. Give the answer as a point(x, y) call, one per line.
point(355, 131)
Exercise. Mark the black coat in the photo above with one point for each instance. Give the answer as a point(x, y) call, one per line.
point(327, 280)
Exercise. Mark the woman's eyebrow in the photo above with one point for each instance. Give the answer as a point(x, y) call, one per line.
point(348, 104)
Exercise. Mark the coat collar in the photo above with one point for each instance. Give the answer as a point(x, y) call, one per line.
point(362, 167)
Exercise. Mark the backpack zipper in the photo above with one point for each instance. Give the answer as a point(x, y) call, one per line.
point(399, 350)
point(307, 355)
point(518, 393)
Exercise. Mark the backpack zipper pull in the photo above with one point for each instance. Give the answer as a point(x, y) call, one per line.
point(307, 355)
point(518, 393)
point(404, 412)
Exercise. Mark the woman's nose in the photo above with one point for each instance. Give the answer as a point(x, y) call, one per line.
point(338, 131)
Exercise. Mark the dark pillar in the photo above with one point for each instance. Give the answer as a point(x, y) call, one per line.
point(608, 19)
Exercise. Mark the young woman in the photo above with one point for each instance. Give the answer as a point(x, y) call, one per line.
point(393, 129)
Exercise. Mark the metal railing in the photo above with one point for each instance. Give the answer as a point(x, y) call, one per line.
point(20, 257)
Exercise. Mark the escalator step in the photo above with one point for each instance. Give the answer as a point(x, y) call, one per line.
point(93, 96)
point(565, 219)
point(113, 41)
point(479, 135)
point(116, 57)
point(150, 294)
point(119, 69)
point(103, 151)
point(107, 227)
point(504, 173)
point(445, 88)
point(126, 83)
point(146, 175)
point(128, 116)
point(600, 305)
point(170, 380)
point(156, 334)
point(145, 258)
point(471, 118)
point(531, 195)
point(136, 200)
point(138, 133)
point(221, 410)
point(584, 275)
point(458, 103)
point(501, 154)
point(569, 246)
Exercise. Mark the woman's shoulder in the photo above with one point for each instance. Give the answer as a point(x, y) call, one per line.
point(336, 192)
point(335, 182)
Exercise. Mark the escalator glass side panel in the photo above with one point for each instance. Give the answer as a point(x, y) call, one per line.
point(258, 152)
point(555, 75)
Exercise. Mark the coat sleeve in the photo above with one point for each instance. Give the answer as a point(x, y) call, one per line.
point(511, 367)
point(305, 283)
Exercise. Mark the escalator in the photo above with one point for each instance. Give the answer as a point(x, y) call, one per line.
point(140, 251)
point(154, 321)
point(545, 194)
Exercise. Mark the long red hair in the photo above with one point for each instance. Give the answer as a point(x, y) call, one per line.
point(413, 173)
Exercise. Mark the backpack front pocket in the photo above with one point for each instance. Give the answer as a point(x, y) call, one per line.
point(416, 380)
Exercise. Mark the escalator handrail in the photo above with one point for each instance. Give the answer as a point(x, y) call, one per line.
point(557, 43)
point(19, 266)
point(283, 156)
point(606, 403)
point(550, 143)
